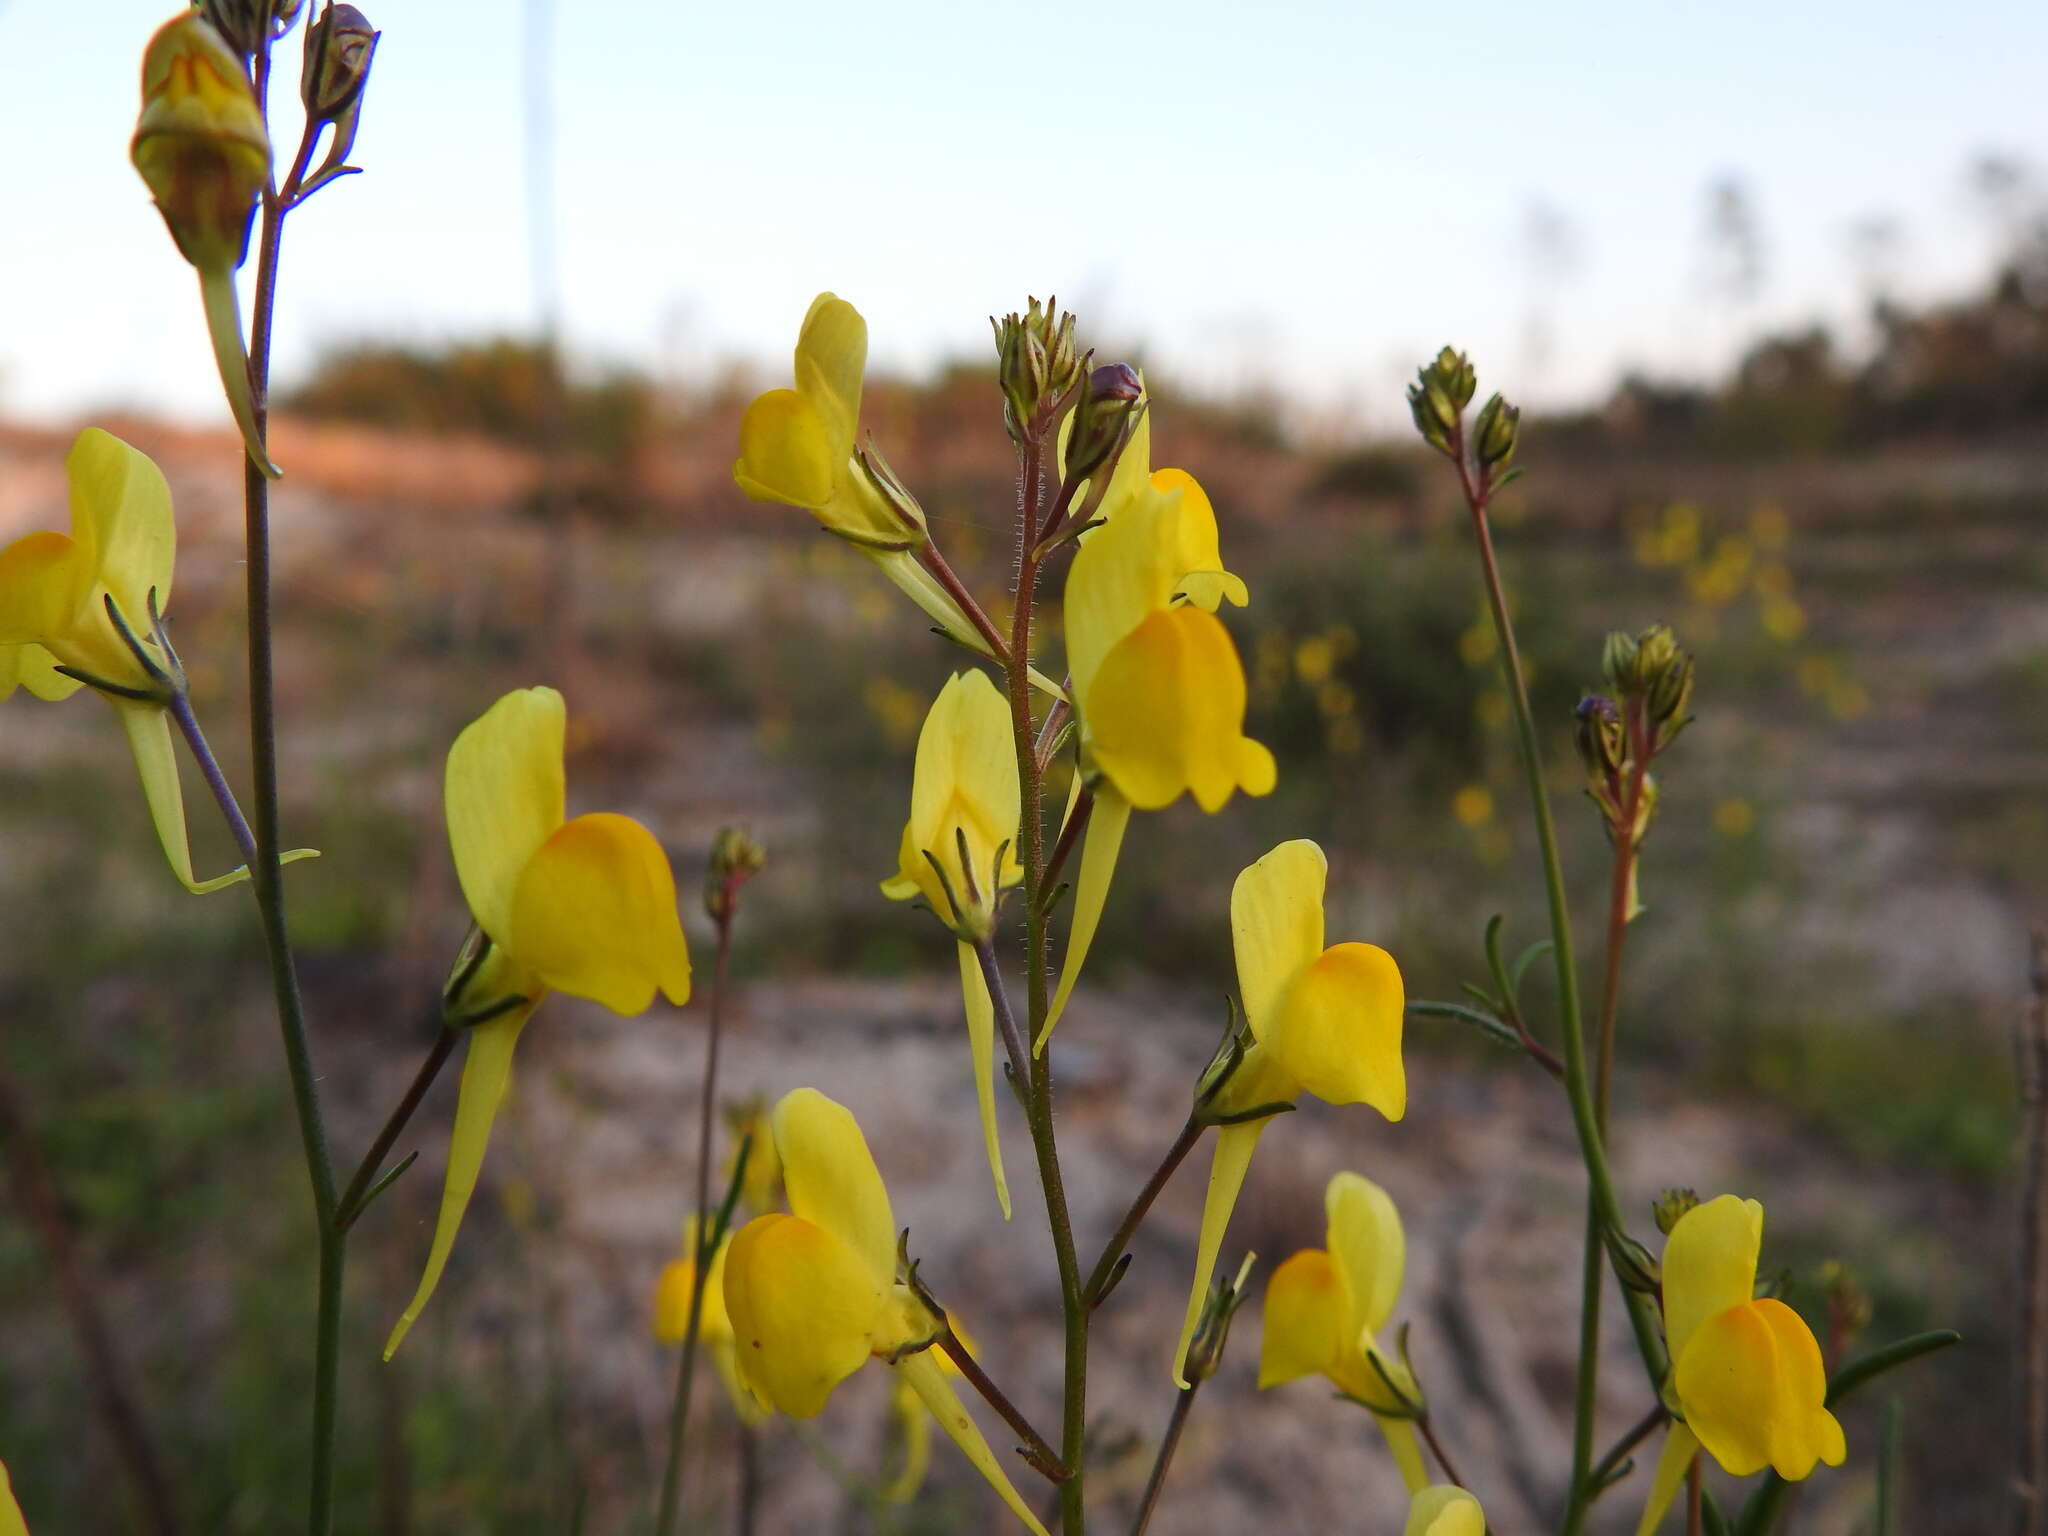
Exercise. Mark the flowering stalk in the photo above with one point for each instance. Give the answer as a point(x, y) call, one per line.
point(1435, 400)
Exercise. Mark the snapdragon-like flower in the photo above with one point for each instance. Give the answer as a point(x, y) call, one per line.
point(1325, 1021)
point(798, 447)
point(714, 1328)
point(1746, 1371)
point(1326, 1307)
point(1156, 680)
point(1444, 1510)
point(815, 1294)
point(83, 608)
point(202, 147)
point(585, 906)
point(959, 851)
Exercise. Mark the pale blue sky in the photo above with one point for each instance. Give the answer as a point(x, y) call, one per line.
point(1310, 193)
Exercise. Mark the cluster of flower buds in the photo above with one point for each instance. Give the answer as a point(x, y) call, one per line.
point(1652, 668)
point(735, 859)
point(1439, 395)
point(1036, 364)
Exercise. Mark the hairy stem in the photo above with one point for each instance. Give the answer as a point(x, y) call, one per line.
point(1038, 1098)
point(679, 1412)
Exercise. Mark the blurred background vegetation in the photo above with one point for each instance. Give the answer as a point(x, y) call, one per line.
point(1851, 845)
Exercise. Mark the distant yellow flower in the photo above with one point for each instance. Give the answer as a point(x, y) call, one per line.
point(1473, 805)
point(959, 850)
point(81, 607)
point(1747, 1372)
point(203, 150)
point(585, 906)
point(1734, 817)
point(1325, 1308)
point(761, 1186)
point(1325, 1021)
point(815, 1294)
point(799, 447)
point(1158, 686)
point(1444, 1510)
point(714, 1328)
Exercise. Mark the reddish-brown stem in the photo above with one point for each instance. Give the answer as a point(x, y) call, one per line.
point(956, 589)
point(1119, 1240)
point(1040, 1455)
point(1428, 1432)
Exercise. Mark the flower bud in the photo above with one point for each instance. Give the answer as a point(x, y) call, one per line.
point(1212, 1333)
point(1105, 415)
point(1671, 1205)
point(1633, 1266)
point(735, 859)
point(1036, 364)
point(885, 484)
point(339, 49)
point(1495, 432)
point(200, 143)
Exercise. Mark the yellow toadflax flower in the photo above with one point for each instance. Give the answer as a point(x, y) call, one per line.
point(1157, 683)
point(1444, 1510)
point(203, 149)
point(1321, 1021)
point(959, 850)
point(1325, 1308)
point(798, 447)
point(813, 1295)
point(714, 1328)
point(82, 608)
point(1746, 1372)
point(584, 906)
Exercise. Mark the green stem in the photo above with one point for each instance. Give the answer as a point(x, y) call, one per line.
point(679, 1412)
point(1038, 1098)
point(1578, 1087)
point(1183, 1402)
point(1586, 1398)
point(266, 870)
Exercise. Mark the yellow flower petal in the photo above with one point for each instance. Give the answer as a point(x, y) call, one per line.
point(1753, 1387)
point(1445, 1511)
point(1709, 1264)
point(504, 799)
point(930, 1384)
point(672, 1294)
point(981, 1045)
point(11, 1522)
point(805, 1309)
point(486, 1070)
point(1680, 1446)
point(963, 790)
point(832, 1179)
point(1276, 927)
point(831, 359)
point(1164, 714)
point(1339, 1029)
point(45, 581)
point(594, 915)
point(1231, 1161)
point(1197, 549)
point(1368, 1248)
point(915, 1420)
point(33, 668)
point(1305, 1319)
point(1099, 847)
point(121, 518)
point(786, 452)
point(1133, 566)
